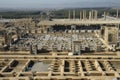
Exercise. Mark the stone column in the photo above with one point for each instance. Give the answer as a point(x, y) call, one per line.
point(104, 15)
point(96, 14)
point(90, 15)
point(69, 15)
point(117, 15)
point(106, 34)
point(83, 14)
point(74, 14)
point(80, 15)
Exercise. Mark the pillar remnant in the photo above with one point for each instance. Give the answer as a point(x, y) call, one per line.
point(117, 15)
point(96, 15)
point(80, 15)
point(90, 15)
point(74, 14)
point(83, 14)
point(106, 35)
point(104, 15)
point(69, 16)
